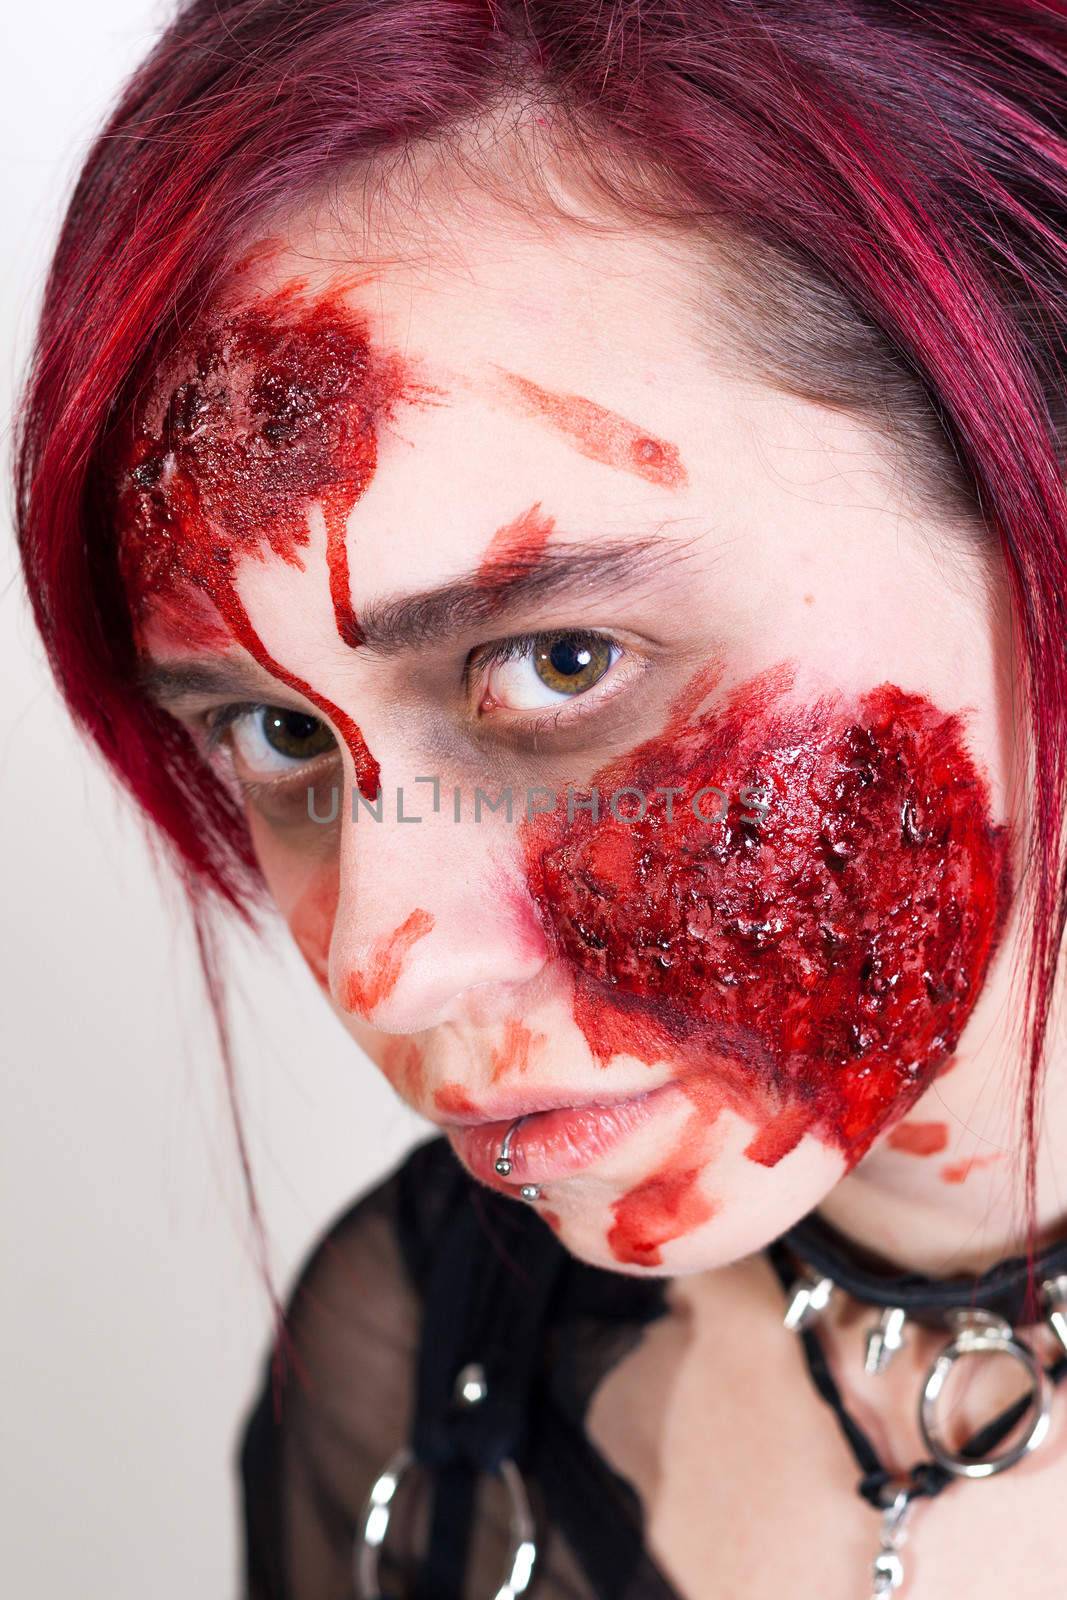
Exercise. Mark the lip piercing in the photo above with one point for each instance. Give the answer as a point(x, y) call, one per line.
point(529, 1191)
point(503, 1160)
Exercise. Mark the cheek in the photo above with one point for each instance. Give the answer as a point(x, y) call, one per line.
point(823, 953)
point(311, 920)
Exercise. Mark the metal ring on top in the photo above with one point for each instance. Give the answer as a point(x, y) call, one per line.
point(375, 1521)
point(980, 1333)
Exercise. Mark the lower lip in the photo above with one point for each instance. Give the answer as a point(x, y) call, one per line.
point(553, 1144)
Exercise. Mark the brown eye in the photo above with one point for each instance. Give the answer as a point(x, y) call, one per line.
point(533, 672)
point(570, 663)
point(267, 741)
point(294, 734)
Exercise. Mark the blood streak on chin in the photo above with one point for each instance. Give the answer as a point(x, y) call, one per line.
point(667, 1204)
point(814, 963)
point(274, 407)
point(600, 434)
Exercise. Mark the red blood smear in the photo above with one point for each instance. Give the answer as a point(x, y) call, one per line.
point(517, 545)
point(404, 1066)
point(662, 1208)
point(919, 1138)
point(813, 964)
point(780, 1135)
point(513, 1055)
point(275, 407)
point(453, 1101)
point(600, 434)
point(958, 1171)
point(362, 992)
point(311, 924)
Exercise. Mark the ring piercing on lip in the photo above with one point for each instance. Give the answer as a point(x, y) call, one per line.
point(529, 1191)
point(503, 1160)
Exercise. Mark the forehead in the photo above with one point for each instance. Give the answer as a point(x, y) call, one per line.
point(563, 367)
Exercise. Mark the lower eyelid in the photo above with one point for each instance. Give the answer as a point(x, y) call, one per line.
point(296, 778)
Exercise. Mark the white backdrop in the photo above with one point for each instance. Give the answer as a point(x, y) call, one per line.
point(133, 1321)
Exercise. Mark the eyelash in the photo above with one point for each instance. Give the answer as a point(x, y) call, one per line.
point(517, 644)
point(219, 720)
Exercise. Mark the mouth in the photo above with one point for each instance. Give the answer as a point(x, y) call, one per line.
point(558, 1141)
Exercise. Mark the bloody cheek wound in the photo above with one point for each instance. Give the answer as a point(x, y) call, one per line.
point(810, 963)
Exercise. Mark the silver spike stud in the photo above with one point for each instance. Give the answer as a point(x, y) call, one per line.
point(470, 1387)
point(808, 1299)
point(1055, 1293)
point(885, 1339)
point(887, 1573)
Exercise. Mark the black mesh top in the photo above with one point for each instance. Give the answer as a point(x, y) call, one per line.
point(432, 1271)
point(427, 1272)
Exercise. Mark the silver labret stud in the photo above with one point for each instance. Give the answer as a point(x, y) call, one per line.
point(530, 1191)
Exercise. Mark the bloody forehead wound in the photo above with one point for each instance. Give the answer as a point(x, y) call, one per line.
point(274, 408)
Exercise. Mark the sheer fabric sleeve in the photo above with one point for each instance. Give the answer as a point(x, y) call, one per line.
point(315, 1442)
point(313, 1446)
point(311, 1451)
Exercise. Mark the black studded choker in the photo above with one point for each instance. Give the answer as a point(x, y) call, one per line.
point(982, 1314)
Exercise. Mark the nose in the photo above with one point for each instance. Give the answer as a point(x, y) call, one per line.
point(428, 912)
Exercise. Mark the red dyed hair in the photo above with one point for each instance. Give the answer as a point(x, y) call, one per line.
point(889, 182)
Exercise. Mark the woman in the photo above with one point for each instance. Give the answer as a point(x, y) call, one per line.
point(564, 502)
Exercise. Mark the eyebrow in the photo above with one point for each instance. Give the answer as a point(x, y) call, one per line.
point(391, 626)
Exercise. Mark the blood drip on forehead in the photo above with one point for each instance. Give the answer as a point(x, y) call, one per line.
point(273, 408)
point(809, 958)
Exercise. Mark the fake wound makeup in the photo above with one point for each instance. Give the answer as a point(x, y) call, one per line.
point(811, 969)
point(275, 408)
point(272, 409)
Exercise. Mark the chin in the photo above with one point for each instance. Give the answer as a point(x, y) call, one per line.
point(658, 1207)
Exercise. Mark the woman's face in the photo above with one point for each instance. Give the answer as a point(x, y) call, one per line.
point(493, 522)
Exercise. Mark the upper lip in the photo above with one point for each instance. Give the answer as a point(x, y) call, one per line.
point(511, 1110)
